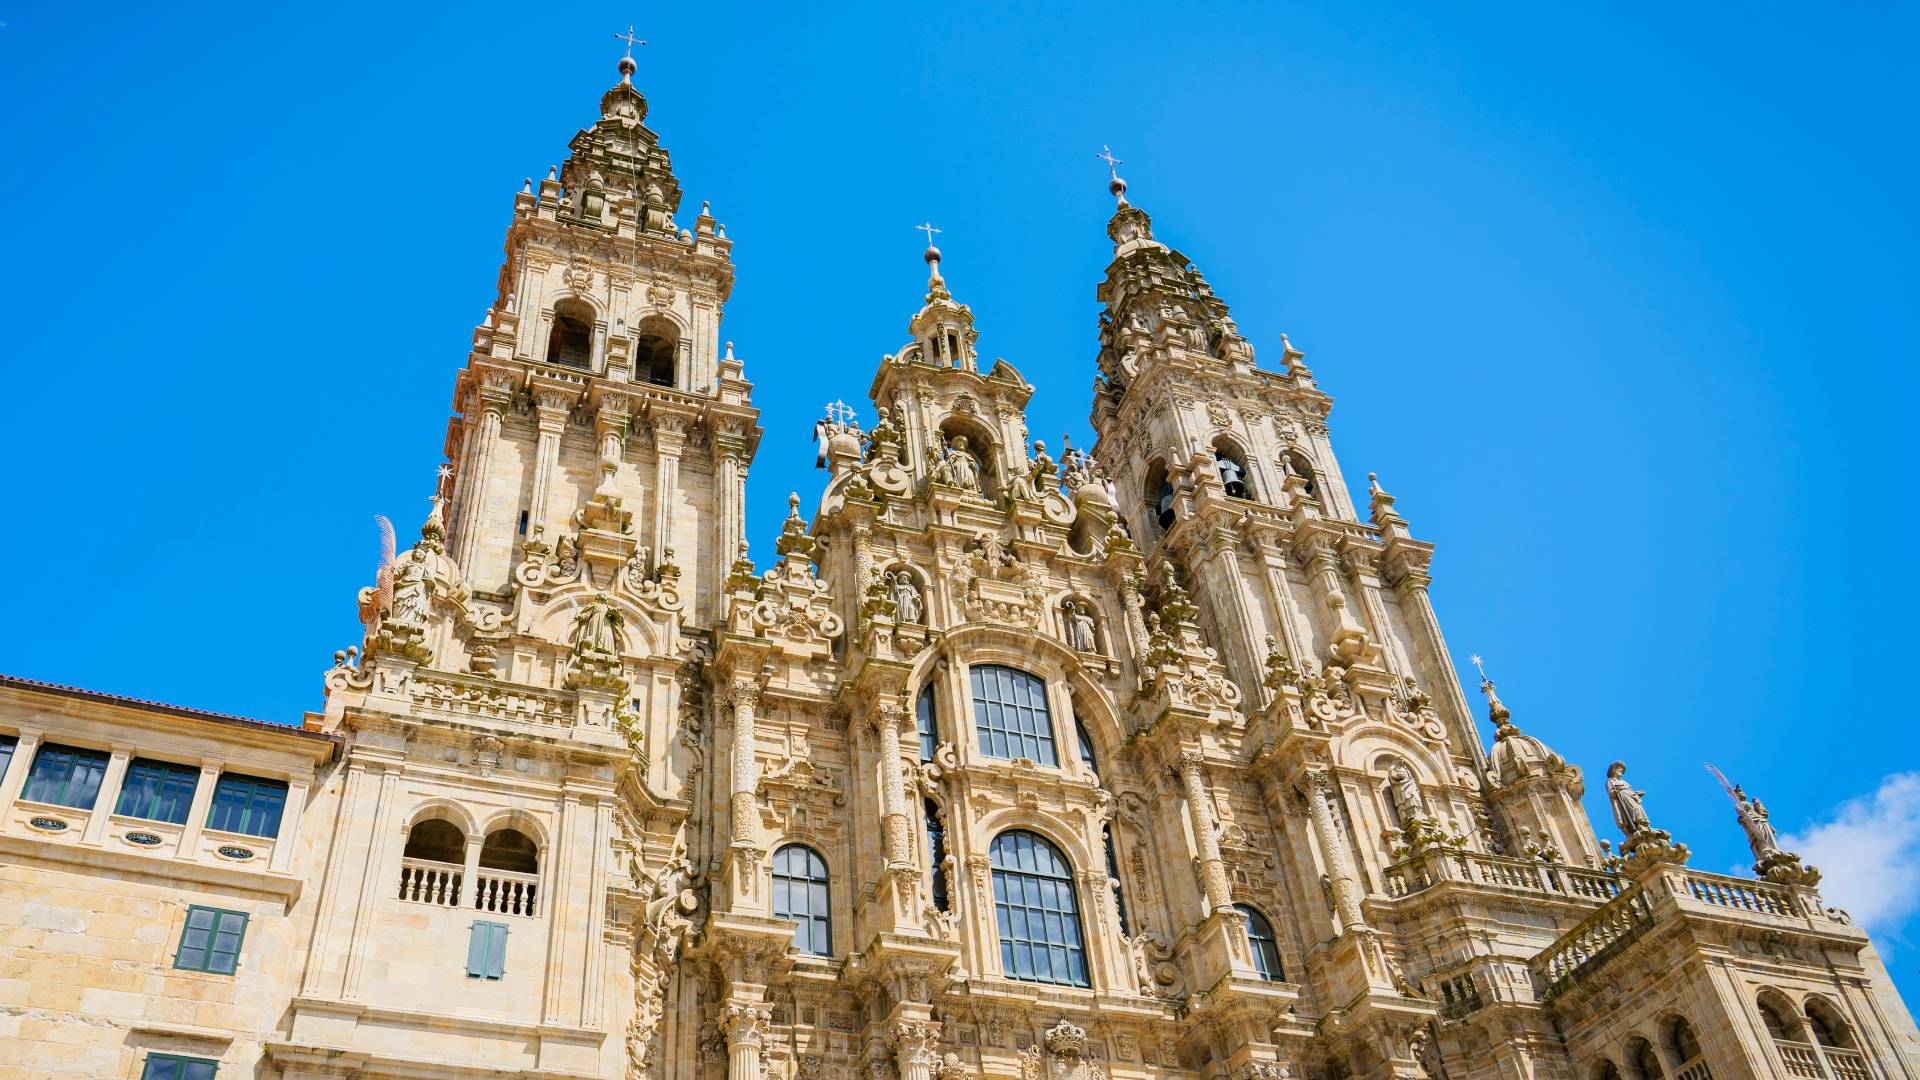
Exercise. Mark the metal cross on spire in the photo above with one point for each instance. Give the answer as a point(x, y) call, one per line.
point(839, 412)
point(1113, 163)
point(630, 40)
point(929, 230)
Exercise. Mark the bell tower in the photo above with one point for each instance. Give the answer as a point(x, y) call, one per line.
point(599, 373)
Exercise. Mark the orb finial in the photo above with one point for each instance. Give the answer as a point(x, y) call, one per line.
point(627, 66)
point(1114, 184)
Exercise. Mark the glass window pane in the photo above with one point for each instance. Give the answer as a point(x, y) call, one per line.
point(1037, 912)
point(801, 892)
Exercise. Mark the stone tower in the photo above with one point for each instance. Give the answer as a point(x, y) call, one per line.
point(525, 722)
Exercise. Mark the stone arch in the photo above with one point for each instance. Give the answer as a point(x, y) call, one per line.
point(1826, 1024)
point(1778, 1016)
point(1228, 449)
point(443, 809)
point(922, 581)
point(1296, 461)
point(436, 839)
point(1643, 1061)
point(570, 331)
point(520, 820)
point(1063, 835)
point(555, 622)
point(1157, 495)
point(657, 350)
point(981, 443)
point(1604, 1070)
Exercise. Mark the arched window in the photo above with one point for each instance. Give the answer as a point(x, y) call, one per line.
point(1232, 466)
point(654, 358)
point(437, 841)
point(800, 893)
point(1040, 939)
point(1265, 947)
point(1297, 464)
point(1644, 1062)
point(571, 341)
point(510, 850)
point(1086, 746)
point(1606, 1070)
point(937, 854)
point(1775, 1019)
point(1159, 495)
point(1682, 1043)
point(1010, 712)
point(927, 723)
point(1828, 1027)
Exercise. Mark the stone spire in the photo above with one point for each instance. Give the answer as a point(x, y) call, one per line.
point(943, 327)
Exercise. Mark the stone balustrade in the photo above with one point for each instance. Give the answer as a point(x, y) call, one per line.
point(424, 881)
point(1810, 1061)
point(1598, 936)
point(1436, 865)
point(504, 892)
point(1727, 892)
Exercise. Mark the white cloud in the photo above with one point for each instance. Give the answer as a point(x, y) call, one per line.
point(1869, 850)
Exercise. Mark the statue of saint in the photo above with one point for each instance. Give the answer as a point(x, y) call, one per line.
point(906, 598)
point(1628, 811)
point(599, 629)
point(1404, 790)
point(1080, 628)
point(1753, 818)
point(959, 466)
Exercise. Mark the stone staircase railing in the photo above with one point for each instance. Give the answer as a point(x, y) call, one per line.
point(1598, 936)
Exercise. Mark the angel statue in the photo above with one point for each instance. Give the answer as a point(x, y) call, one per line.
point(1628, 811)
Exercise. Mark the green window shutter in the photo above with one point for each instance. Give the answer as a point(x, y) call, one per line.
point(487, 950)
point(211, 940)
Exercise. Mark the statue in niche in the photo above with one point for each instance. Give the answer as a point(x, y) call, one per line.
point(1629, 812)
point(599, 629)
point(1080, 628)
point(1404, 791)
point(958, 467)
point(905, 596)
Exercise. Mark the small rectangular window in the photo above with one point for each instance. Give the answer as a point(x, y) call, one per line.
point(211, 940)
point(247, 804)
point(487, 950)
point(158, 791)
point(523, 523)
point(175, 1067)
point(7, 743)
point(66, 776)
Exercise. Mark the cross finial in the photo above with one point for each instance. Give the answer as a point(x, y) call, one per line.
point(1113, 163)
point(630, 40)
point(929, 230)
point(839, 412)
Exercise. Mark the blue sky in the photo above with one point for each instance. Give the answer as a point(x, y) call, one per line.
point(1611, 302)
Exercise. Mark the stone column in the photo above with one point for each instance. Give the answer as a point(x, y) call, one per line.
point(470, 871)
point(109, 793)
point(493, 397)
point(16, 776)
point(744, 696)
point(552, 406)
point(916, 1049)
point(197, 815)
point(746, 1028)
point(1213, 869)
point(1333, 850)
point(669, 439)
point(285, 844)
point(897, 828)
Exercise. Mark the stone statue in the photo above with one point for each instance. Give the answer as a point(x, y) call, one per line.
point(1080, 633)
point(1628, 811)
point(1404, 791)
point(410, 595)
point(905, 597)
point(599, 629)
point(958, 467)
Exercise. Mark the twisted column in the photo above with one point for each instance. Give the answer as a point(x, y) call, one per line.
point(1213, 869)
point(1333, 849)
point(897, 825)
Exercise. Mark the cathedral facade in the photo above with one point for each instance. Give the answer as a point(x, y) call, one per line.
point(1139, 760)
